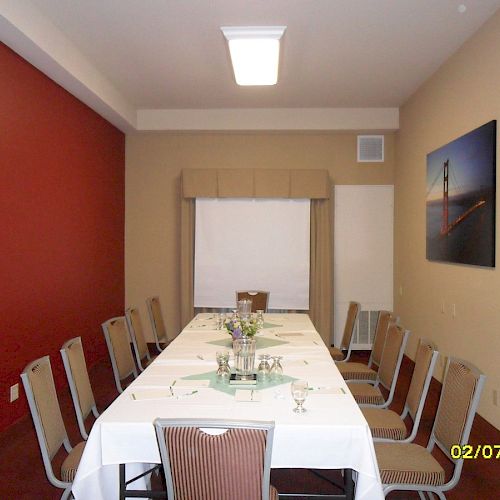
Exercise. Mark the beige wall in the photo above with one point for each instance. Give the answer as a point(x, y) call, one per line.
point(153, 165)
point(462, 95)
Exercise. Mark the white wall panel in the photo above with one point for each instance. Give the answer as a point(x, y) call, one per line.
point(363, 250)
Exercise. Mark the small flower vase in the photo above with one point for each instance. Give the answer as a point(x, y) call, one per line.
point(244, 357)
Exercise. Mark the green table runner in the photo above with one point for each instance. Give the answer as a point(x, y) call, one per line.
point(262, 342)
point(270, 325)
point(231, 389)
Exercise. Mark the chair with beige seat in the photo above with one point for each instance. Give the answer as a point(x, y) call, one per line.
point(38, 383)
point(120, 353)
point(337, 353)
point(412, 467)
point(157, 323)
point(259, 298)
point(387, 425)
point(359, 371)
point(79, 383)
point(141, 351)
point(216, 459)
point(387, 375)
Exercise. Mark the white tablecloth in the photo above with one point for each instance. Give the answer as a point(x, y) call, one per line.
point(333, 434)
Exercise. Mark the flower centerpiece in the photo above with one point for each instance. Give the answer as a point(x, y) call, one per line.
point(242, 330)
point(241, 327)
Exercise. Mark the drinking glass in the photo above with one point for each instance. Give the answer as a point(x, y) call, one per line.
point(222, 357)
point(244, 357)
point(220, 317)
point(300, 390)
point(264, 369)
point(276, 372)
point(244, 307)
point(260, 319)
point(223, 371)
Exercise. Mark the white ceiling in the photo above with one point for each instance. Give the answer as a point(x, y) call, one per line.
point(171, 55)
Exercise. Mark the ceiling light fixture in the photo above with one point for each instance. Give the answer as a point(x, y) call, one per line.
point(254, 53)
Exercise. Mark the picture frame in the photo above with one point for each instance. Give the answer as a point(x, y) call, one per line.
point(461, 199)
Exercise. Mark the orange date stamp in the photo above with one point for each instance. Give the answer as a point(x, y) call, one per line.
point(468, 451)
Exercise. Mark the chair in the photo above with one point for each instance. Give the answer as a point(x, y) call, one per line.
point(41, 393)
point(259, 298)
point(359, 371)
point(216, 466)
point(387, 375)
point(79, 383)
point(387, 425)
point(141, 351)
point(118, 342)
point(157, 323)
point(412, 467)
point(345, 345)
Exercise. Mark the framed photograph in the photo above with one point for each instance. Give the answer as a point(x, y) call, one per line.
point(460, 200)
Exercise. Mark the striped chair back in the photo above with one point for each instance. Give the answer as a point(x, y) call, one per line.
point(118, 343)
point(134, 325)
point(458, 403)
point(392, 355)
point(422, 373)
point(157, 323)
point(350, 323)
point(39, 384)
point(233, 462)
point(384, 318)
point(79, 382)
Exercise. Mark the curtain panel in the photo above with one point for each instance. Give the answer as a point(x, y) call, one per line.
point(264, 183)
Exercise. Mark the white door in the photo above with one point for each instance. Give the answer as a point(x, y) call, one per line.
point(363, 257)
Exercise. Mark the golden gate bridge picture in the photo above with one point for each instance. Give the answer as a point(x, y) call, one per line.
point(446, 225)
point(460, 200)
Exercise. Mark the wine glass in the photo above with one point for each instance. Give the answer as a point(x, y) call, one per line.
point(260, 319)
point(276, 373)
point(264, 369)
point(223, 371)
point(222, 357)
point(219, 319)
point(300, 390)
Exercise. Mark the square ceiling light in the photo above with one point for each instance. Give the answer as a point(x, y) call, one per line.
point(254, 53)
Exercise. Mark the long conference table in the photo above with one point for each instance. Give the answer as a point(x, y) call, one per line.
point(332, 434)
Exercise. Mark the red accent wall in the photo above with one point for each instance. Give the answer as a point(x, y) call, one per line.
point(62, 207)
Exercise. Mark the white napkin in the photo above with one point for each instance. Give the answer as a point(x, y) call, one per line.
point(143, 395)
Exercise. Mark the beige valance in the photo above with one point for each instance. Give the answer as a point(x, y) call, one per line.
point(255, 183)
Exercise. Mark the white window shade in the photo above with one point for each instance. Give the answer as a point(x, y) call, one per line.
point(252, 244)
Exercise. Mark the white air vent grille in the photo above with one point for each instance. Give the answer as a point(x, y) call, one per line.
point(365, 328)
point(370, 148)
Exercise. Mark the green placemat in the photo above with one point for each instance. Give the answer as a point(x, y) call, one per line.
point(262, 342)
point(231, 389)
